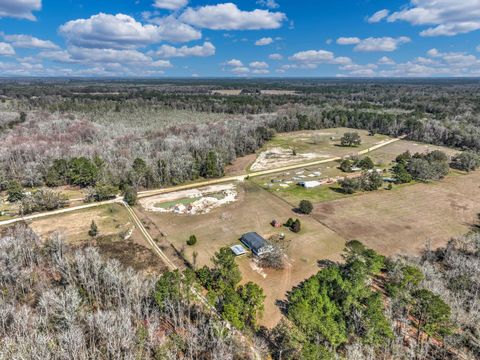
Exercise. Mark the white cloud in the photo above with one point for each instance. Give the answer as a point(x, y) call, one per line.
point(229, 17)
point(234, 62)
point(170, 4)
point(21, 9)
point(258, 65)
point(264, 41)
point(448, 17)
point(271, 4)
point(61, 56)
point(433, 52)
point(310, 59)
point(115, 56)
point(348, 40)
point(478, 48)
point(385, 60)
point(6, 49)
point(381, 44)
point(167, 51)
point(313, 56)
point(378, 16)
point(240, 70)
point(28, 41)
point(275, 57)
point(122, 32)
point(260, 71)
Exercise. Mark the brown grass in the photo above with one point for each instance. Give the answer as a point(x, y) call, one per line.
point(253, 211)
point(403, 220)
point(113, 223)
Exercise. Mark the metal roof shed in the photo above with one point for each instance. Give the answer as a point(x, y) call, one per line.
point(238, 250)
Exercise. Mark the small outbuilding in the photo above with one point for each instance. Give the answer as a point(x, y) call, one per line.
point(238, 250)
point(309, 184)
point(257, 244)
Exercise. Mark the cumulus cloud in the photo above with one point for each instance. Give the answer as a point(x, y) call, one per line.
point(260, 72)
point(275, 57)
point(234, 62)
point(313, 56)
point(21, 9)
point(28, 41)
point(385, 60)
point(115, 56)
point(264, 41)
point(378, 16)
point(170, 4)
point(167, 51)
point(240, 70)
point(6, 49)
point(122, 32)
point(381, 44)
point(448, 17)
point(258, 65)
point(310, 59)
point(348, 40)
point(271, 4)
point(229, 17)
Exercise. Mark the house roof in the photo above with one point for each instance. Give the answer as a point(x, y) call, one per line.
point(253, 241)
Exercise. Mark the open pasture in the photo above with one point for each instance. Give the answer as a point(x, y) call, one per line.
point(403, 220)
point(254, 209)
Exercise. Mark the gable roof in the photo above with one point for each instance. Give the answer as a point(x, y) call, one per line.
point(253, 241)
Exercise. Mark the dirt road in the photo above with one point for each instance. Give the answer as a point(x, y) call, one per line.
point(144, 194)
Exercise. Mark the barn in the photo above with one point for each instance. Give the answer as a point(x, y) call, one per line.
point(257, 244)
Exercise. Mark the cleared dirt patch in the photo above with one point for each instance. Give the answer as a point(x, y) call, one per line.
point(401, 221)
point(192, 201)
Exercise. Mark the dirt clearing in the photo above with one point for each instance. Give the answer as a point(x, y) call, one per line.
point(192, 201)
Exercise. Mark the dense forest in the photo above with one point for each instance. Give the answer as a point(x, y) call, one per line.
point(59, 302)
point(168, 133)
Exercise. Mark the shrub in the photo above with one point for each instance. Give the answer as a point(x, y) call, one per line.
point(296, 226)
point(305, 207)
point(466, 161)
point(351, 139)
point(93, 229)
point(130, 195)
point(15, 191)
point(43, 200)
point(192, 240)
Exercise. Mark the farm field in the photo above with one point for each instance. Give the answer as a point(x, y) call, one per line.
point(253, 210)
point(284, 184)
point(403, 220)
point(118, 239)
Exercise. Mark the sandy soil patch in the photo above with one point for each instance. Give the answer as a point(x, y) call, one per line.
point(192, 201)
point(278, 157)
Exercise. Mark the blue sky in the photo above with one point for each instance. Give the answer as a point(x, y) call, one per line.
point(244, 38)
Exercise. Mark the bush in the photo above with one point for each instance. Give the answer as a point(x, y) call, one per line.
point(15, 192)
point(192, 240)
point(43, 200)
point(305, 207)
point(346, 165)
point(349, 185)
point(296, 226)
point(351, 139)
point(130, 195)
point(93, 229)
point(101, 192)
point(466, 161)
